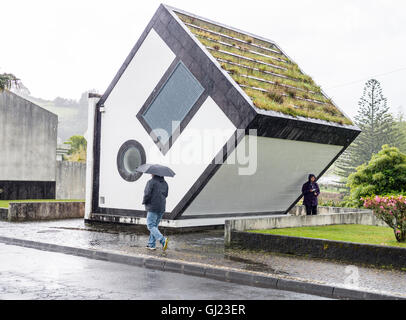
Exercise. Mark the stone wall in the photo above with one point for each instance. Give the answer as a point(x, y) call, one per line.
point(376, 255)
point(33, 211)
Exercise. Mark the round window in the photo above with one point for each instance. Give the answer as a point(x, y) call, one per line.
point(130, 156)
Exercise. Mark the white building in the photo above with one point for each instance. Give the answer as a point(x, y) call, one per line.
point(193, 93)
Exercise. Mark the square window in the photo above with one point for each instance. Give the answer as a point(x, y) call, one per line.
point(175, 99)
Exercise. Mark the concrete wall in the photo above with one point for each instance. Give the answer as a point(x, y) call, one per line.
point(70, 180)
point(301, 210)
point(365, 217)
point(32, 211)
point(28, 136)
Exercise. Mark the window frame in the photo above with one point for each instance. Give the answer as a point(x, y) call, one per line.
point(164, 148)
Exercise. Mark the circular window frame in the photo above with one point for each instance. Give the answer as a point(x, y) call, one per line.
point(127, 176)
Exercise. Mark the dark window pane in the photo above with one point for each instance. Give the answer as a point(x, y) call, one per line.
point(174, 100)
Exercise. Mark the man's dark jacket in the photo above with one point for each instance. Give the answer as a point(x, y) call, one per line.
point(309, 198)
point(155, 194)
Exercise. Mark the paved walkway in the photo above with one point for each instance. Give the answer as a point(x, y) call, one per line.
point(208, 248)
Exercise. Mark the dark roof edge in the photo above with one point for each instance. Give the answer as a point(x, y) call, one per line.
point(276, 114)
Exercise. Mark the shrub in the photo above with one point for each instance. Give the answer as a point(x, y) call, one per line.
point(384, 174)
point(391, 210)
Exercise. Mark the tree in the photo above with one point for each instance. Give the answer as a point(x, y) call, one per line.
point(77, 151)
point(378, 128)
point(7, 80)
point(76, 143)
point(401, 127)
point(384, 174)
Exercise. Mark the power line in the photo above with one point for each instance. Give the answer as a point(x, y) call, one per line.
point(356, 81)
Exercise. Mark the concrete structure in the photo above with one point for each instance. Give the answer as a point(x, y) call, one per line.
point(70, 180)
point(354, 216)
point(35, 211)
point(175, 102)
point(28, 135)
point(62, 150)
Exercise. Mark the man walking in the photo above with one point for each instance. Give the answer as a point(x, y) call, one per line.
point(310, 191)
point(154, 200)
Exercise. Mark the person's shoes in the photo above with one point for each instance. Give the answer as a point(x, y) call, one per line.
point(151, 248)
point(165, 244)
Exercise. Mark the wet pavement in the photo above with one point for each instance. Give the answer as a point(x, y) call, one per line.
point(26, 274)
point(207, 247)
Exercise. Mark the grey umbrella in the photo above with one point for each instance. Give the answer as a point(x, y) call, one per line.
point(156, 169)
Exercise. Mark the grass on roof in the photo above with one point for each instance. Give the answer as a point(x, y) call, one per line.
point(226, 31)
point(268, 77)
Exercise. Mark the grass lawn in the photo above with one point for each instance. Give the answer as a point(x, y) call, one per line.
point(5, 203)
point(350, 232)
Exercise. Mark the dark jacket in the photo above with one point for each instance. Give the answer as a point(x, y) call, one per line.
point(309, 198)
point(155, 194)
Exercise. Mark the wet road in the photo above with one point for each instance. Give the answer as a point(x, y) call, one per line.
point(208, 248)
point(34, 274)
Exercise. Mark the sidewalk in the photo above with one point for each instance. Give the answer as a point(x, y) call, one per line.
point(205, 248)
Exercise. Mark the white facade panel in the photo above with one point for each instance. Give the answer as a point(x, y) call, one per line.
point(282, 167)
point(190, 154)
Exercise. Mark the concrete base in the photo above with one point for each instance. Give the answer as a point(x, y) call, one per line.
point(186, 224)
point(21, 190)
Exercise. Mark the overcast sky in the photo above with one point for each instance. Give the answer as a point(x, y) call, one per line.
point(65, 47)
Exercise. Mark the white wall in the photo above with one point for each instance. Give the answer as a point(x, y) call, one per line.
point(119, 124)
point(282, 167)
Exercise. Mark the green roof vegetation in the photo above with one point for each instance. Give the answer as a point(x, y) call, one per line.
point(267, 76)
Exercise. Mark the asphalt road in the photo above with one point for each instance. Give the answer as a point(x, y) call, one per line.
point(30, 274)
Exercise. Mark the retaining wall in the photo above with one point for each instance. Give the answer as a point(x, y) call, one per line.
point(376, 255)
point(301, 210)
point(365, 217)
point(32, 211)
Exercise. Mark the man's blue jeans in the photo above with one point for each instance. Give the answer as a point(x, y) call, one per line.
point(153, 220)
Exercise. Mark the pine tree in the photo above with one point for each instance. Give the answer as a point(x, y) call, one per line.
point(378, 128)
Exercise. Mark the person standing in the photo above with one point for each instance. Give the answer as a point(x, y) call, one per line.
point(155, 194)
point(310, 191)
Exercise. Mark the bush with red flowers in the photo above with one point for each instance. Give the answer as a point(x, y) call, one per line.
point(390, 209)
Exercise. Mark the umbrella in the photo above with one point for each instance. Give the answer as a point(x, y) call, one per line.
point(156, 169)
